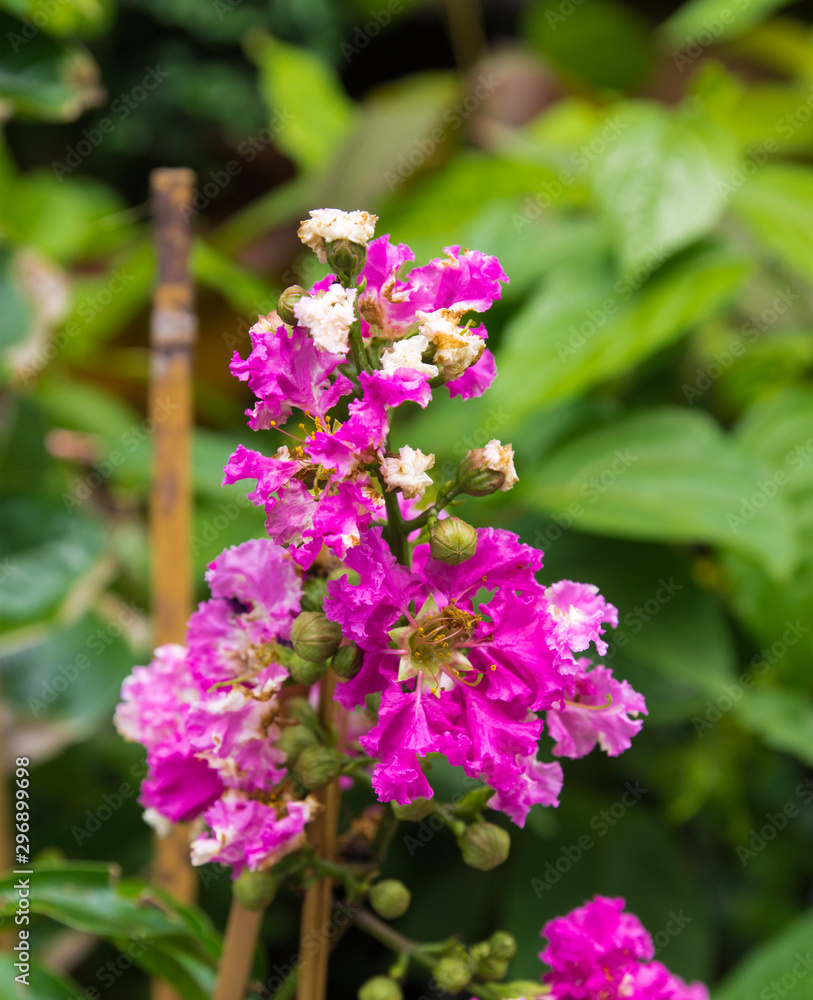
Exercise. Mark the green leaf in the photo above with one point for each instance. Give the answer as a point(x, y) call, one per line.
point(777, 204)
point(783, 719)
point(44, 549)
point(717, 20)
point(657, 182)
point(666, 474)
point(245, 291)
point(310, 110)
point(45, 78)
point(603, 42)
point(67, 17)
point(583, 328)
point(193, 978)
point(774, 962)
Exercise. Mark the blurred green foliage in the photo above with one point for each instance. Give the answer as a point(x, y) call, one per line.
point(649, 190)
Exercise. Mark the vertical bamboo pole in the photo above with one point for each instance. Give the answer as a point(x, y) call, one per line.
point(173, 332)
point(314, 948)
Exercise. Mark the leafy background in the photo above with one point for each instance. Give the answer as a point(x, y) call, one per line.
point(644, 174)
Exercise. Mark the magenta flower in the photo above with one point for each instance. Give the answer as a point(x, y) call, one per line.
point(600, 952)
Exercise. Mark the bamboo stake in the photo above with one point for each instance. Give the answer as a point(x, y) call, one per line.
point(173, 332)
point(242, 933)
point(314, 948)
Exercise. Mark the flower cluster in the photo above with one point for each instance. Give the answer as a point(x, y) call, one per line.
point(208, 714)
point(442, 630)
point(600, 952)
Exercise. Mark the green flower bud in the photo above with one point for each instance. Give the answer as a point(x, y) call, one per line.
point(255, 890)
point(503, 945)
point(294, 740)
point(484, 846)
point(346, 260)
point(474, 476)
point(520, 989)
point(286, 303)
point(346, 660)
point(390, 898)
point(301, 710)
point(452, 541)
point(452, 974)
point(316, 767)
point(413, 811)
point(492, 968)
point(315, 638)
point(305, 672)
point(314, 590)
point(380, 988)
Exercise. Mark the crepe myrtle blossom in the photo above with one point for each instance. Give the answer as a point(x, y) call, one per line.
point(500, 458)
point(464, 657)
point(327, 225)
point(408, 471)
point(328, 317)
point(207, 713)
point(600, 951)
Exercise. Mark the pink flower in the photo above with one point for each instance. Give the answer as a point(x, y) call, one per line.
point(598, 950)
point(245, 831)
point(153, 698)
point(601, 710)
point(578, 611)
point(179, 785)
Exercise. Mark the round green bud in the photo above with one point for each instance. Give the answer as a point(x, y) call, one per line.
point(452, 974)
point(316, 767)
point(452, 541)
point(380, 988)
point(484, 846)
point(295, 739)
point(346, 260)
point(503, 945)
point(301, 710)
point(255, 890)
point(474, 476)
point(413, 811)
point(346, 660)
point(305, 672)
point(492, 968)
point(315, 638)
point(286, 303)
point(390, 898)
point(314, 590)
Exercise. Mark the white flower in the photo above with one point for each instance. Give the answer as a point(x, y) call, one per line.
point(408, 471)
point(456, 349)
point(407, 354)
point(500, 458)
point(328, 224)
point(329, 316)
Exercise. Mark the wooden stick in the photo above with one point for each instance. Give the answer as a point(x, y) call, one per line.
point(173, 331)
point(314, 947)
point(242, 933)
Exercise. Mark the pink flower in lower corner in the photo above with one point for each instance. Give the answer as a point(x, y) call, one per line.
point(600, 952)
point(245, 831)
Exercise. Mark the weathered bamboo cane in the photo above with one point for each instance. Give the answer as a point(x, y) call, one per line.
point(173, 331)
